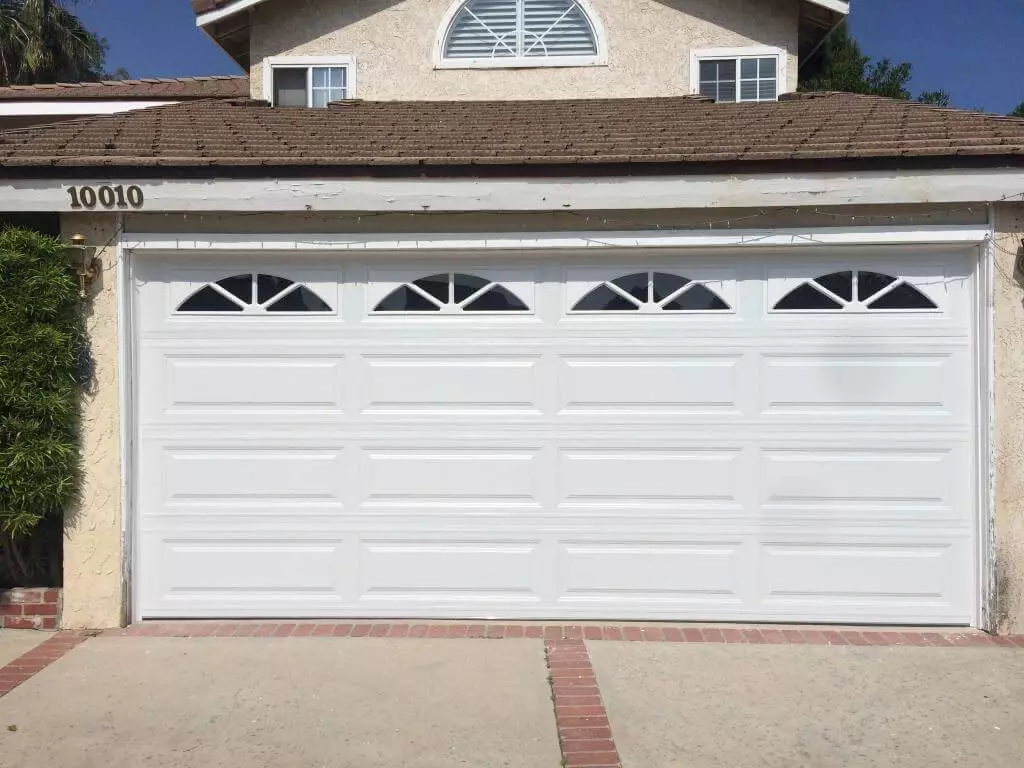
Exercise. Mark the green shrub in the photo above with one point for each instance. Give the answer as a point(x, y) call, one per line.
point(41, 344)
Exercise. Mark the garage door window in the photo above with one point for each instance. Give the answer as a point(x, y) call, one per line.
point(852, 291)
point(651, 292)
point(451, 292)
point(254, 293)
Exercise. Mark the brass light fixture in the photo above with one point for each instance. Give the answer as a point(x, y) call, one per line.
point(84, 261)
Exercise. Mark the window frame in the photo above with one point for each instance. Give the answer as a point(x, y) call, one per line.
point(520, 62)
point(348, 63)
point(751, 52)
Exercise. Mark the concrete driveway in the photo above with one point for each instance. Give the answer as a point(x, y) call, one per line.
point(741, 706)
point(282, 695)
point(249, 702)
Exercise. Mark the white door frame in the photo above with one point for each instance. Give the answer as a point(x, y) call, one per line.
point(130, 245)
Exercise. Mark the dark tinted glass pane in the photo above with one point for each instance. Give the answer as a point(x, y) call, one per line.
point(466, 285)
point(870, 283)
point(604, 299)
point(748, 68)
point(767, 67)
point(300, 300)
point(665, 285)
point(497, 299)
point(239, 285)
point(903, 296)
point(727, 90)
point(268, 286)
point(840, 283)
point(807, 297)
point(695, 299)
point(208, 300)
point(436, 286)
point(405, 299)
point(748, 90)
point(708, 70)
point(634, 285)
point(768, 90)
point(290, 87)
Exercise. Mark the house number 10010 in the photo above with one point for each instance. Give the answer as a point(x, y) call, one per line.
point(106, 196)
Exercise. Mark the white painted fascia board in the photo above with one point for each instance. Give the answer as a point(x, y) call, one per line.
point(839, 6)
point(205, 19)
point(680, 238)
point(418, 195)
point(43, 107)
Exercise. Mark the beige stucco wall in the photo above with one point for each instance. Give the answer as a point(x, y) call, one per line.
point(1009, 415)
point(648, 44)
point(93, 583)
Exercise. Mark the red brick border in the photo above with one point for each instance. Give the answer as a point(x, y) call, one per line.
point(584, 733)
point(670, 633)
point(39, 658)
point(29, 608)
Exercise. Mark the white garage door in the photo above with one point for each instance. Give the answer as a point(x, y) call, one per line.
point(737, 437)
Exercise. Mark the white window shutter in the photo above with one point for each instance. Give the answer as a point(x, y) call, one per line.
point(497, 29)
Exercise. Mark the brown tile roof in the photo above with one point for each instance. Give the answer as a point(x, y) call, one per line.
point(148, 89)
point(683, 132)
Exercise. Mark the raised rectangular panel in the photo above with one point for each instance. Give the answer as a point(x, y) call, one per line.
point(426, 384)
point(671, 384)
point(481, 475)
point(864, 477)
point(241, 567)
point(224, 384)
point(449, 570)
point(263, 475)
point(680, 571)
point(643, 476)
point(858, 383)
point(858, 571)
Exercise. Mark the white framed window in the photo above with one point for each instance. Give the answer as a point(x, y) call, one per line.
point(738, 74)
point(519, 33)
point(308, 81)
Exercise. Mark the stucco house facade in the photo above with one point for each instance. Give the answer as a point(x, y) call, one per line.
point(554, 309)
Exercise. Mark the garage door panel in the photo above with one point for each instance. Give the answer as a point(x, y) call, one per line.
point(250, 568)
point(642, 476)
point(867, 573)
point(677, 383)
point(241, 476)
point(864, 385)
point(438, 383)
point(437, 570)
point(869, 476)
point(485, 474)
point(660, 570)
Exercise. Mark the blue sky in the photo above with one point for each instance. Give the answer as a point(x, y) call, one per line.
point(973, 50)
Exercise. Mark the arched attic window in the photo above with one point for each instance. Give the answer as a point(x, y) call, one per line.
point(254, 293)
point(523, 33)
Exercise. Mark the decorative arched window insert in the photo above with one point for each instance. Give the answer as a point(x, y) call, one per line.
point(254, 293)
point(451, 293)
point(854, 291)
point(651, 292)
point(530, 33)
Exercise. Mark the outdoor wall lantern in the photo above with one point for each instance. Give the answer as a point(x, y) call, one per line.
point(84, 262)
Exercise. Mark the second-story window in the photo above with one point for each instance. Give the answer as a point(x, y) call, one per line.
point(519, 33)
point(305, 83)
point(737, 77)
